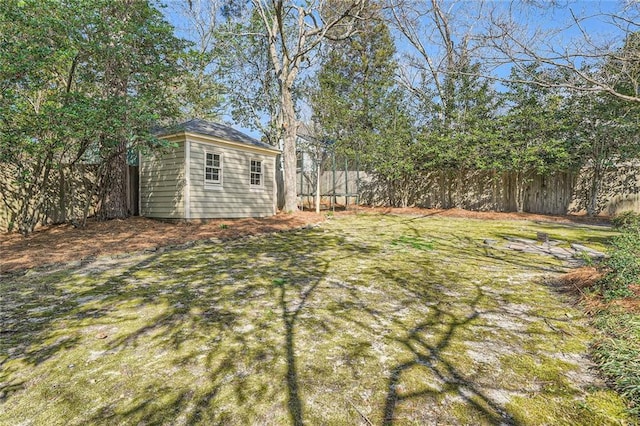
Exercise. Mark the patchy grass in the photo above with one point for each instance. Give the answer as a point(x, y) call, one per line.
point(365, 319)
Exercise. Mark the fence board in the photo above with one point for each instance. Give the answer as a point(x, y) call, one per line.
point(66, 196)
point(560, 193)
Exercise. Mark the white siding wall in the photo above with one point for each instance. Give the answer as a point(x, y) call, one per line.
point(162, 184)
point(235, 197)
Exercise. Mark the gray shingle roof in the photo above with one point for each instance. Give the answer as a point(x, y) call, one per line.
point(216, 130)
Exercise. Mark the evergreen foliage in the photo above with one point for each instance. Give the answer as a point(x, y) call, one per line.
point(361, 108)
point(82, 82)
point(622, 268)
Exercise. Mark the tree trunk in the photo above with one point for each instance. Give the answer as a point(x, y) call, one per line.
point(289, 147)
point(113, 200)
point(459, 191)
point(34, 196)
point(404, 188)
point(63, 200)
point(450, 188)
point(318, 176)
point(520, 182)
point(494, 191)
point(442, 181)
point(594, 190)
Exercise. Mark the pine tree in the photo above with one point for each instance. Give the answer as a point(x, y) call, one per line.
point(534, 132)
point(359, 106)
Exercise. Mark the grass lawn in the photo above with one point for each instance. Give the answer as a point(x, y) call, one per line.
point(366, 319)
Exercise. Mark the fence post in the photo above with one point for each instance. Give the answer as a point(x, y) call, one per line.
point(333, 188)
point(346, 184)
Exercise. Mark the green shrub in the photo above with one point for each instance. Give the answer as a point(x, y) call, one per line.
point(623, 266)
point(628, 220)
point(618, 355)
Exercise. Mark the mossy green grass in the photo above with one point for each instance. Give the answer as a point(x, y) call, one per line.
point(374, 319)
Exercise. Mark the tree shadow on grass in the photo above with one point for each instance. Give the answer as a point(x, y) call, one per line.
point(467, 249)
point(303, 282)
point(430, 373)
point(289, 317)
point(205, 291)
point(410, 224)
point(32, 306)
point(429, 342)
point(221, 297)
point(429, 355)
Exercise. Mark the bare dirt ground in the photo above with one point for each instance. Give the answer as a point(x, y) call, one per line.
point(578, 282)
point(64, 243)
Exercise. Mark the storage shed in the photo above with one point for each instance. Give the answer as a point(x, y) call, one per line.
point(211, 171)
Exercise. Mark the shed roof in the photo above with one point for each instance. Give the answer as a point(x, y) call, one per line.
point(216, 130)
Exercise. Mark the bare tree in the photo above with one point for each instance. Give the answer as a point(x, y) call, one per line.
point(293, 31)
point(199, 89)
point(576, 40)
point(594, 50)
point(248, 75)
point(443, 68)
point(443, 38)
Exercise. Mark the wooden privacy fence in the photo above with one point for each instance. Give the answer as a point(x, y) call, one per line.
point(337, 187)
point(68, 195)
point(560, 193)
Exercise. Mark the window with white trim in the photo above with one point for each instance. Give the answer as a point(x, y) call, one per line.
point(256, 173)
point(212, 168)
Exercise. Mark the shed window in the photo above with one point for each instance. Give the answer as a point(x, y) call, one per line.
point(213, 168)
point(256, 173)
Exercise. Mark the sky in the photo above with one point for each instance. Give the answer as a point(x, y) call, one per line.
point(550, 29)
